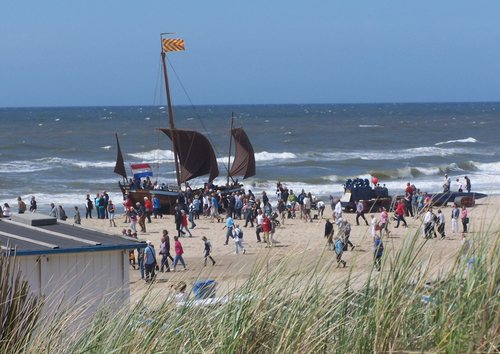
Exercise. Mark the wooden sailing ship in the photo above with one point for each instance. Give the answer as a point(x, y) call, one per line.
point(194, 155)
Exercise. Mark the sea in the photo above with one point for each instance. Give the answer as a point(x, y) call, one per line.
point(61, 154)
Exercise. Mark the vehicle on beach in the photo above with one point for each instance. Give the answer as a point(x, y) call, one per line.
point(194, 157)
point(359, 189)
point(373, 199)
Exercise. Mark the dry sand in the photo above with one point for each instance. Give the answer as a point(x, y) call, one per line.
point(303, 243)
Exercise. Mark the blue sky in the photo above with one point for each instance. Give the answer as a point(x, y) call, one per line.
point(64, 53)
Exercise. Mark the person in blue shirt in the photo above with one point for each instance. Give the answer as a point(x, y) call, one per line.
point(229, 225)
point(156, 207)
point(149, 261)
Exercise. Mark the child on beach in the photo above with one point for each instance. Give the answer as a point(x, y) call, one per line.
point(184, 223)
point(379, 250)
point(207, 250)
point(339, 249)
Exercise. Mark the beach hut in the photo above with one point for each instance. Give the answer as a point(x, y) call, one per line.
point(67, 264)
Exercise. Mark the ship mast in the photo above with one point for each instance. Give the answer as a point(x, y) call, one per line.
point(166, 44)
point(229, 154)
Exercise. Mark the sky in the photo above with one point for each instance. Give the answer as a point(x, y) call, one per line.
point(107, 53)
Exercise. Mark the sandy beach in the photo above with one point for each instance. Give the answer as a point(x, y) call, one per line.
point(301, 242)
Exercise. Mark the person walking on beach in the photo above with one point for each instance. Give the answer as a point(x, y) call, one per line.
point(238, 239)
point(338, 212)
point(179, 251)
point(149, 261)
point(229, 225)
point(207, 250)
point(259, 219)
point(459, 185)
point(111, 213)
point(428, 223)
point(328, 228)
point(441, 223)
point(165, 251)
point(33, 205)
point(132, 214)
point(455, 215)
point(77, 218)
point(306, 202)
point(339, 250)
point(400, 214)
point(156, 207)
point(88, 207)
point(321, 208)
point(345, 233)
point(192, 212)
point(384, 222)
point(148, 207)
point(141, 215)
point(266, 229)
point(360, 212)
point(378, 246)
point(184, 223)
point(465, 220)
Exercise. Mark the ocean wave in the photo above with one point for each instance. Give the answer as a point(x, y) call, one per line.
point(267, 156)
point(489, 167)
point(22, 167)
point(107, 147)
point(48, 163)
point(467, 140)
point(156, 155)
point(370, 126)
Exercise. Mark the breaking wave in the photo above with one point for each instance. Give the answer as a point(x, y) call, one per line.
point(155, 155)
point(467, 140)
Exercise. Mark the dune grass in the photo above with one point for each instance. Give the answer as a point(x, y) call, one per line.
point(291, 310)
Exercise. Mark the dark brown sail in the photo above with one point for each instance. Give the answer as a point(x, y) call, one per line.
point(244, 158)
point(120, 165)
point(196, 155)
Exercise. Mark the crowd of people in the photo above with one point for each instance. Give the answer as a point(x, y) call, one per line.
point(240, 210)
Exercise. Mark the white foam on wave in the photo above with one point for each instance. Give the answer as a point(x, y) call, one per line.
point(489, 167)
point(98, 164)
point(370, 126)
point(107, 147)
point(156, 155)
point(267, 156)
point(466, 140)
point(22, 167)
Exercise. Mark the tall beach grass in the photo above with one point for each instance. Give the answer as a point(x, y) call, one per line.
point(289, 309)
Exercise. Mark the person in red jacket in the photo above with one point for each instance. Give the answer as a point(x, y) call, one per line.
point(179, 251)
point(184, 223)
point(148, 205)
point(400, 213)
point(266, 230)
